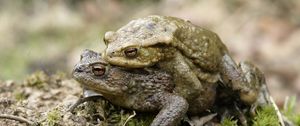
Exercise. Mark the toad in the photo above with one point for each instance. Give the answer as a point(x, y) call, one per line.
point(147, 90)
point(194, 56)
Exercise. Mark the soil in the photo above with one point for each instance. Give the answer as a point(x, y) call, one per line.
point(43, 99)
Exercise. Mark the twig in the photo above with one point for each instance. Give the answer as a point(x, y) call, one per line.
point(130, 117)
point(202, 120)
point(20, 119)
point(277, 111)
point(6, 101)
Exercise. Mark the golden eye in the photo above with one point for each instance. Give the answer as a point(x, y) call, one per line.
point(98, 70)
point(131, 52)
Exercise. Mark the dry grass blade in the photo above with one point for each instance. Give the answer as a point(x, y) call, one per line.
point(280, 117)
point(130, 117)
point(20, 119)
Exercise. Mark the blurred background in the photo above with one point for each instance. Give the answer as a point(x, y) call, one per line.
point(50, 35)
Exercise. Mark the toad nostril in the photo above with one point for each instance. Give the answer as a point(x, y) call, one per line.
point(79, 69)
point(111, 54)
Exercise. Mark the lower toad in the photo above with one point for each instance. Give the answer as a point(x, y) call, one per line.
point(147, 90)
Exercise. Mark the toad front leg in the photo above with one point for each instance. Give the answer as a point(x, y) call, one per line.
point(187, 83)
point(88, 95)
point(243, 78)
point(172, 109)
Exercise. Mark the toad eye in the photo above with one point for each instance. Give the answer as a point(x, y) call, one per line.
point(131, 52)
point(98, 70)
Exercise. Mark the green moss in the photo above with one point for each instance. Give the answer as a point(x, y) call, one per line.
point(37, 79)
point(289, 110)
point(59, 75)
point(228, 122)
point(53, 117)
point(266, 116)
point(114, 115)
point(19, 96)
point(118, 116)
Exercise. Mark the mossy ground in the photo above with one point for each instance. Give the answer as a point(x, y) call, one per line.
point(45, 99)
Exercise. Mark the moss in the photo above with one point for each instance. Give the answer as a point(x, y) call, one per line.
point(137, 120)
point(19, 96)
point(59, 75)
point(228, 122)
point(37, 79)
point(113, 115)
point(289, 110)
point(118, 116)
point(266, 116)
point(53, 117)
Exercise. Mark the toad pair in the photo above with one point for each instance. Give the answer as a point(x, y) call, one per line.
point(168, 65)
